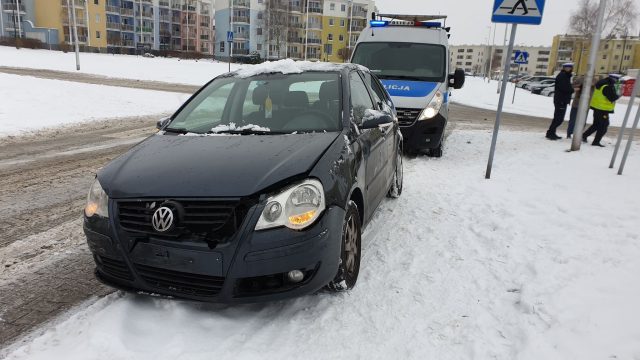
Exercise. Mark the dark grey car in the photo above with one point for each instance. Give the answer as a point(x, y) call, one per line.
point(256, 189)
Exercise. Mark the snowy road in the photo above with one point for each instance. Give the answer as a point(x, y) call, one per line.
point(523, 266)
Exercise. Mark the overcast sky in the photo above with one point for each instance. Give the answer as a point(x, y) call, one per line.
point(470, 19)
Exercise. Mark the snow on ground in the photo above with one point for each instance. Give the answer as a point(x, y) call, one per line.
point(540, 262)
point(478, 93)
point(30, 103)
point(119, 66)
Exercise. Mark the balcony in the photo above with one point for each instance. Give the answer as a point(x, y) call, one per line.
point(176, 34)
point(127, 43)
point(188, 8)
point(295, 55)
point(314, 41)
point(315, 10)
point(240, 51)
point(241, 19)
point(113, 26)
point(165, 18)
point(127, 27)
point(295, 8)
point(297, 25)
point(241, 35)
point(359, 13)
point(163, 3)
point(357, 27)
point(175, 19)
point(315, 26)
point(76, 3)
point(241, 4)
point(114, 41)
point(144, 29)
point(147, 14)
point(126, 11)
point(112, 9)
point(13, 7)
point(295, 40)
point(81, 38)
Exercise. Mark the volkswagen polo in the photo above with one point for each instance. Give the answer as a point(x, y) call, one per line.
point(256, 189)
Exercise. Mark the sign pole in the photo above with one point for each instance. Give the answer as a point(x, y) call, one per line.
point(583, 108)
point(634, 93)
point(504, 45)
point(629, 142)
point(496, 126)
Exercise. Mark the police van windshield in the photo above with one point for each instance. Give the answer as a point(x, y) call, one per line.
point(410, 61)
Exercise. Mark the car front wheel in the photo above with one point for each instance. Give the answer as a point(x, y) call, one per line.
point(349, 267)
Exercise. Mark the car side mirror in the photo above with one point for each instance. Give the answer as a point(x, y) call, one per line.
point(373, 119)
point(162, 123)
point(456, 80)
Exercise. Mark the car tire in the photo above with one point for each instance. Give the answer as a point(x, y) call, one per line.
point(350, 252)
point(398, 177)
point(437, 152)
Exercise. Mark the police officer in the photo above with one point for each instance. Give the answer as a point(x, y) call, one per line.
point(602, 103)
point(561, 99)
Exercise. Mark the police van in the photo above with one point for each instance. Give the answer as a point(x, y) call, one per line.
point(409, 54)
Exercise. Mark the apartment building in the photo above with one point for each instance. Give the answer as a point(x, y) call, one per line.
point(313, 29)
point(125, 26)
point(614, 55)
point(476, 59)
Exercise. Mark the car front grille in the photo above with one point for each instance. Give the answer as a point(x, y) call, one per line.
point(180, 282)
point(114, 268)
point(406, 117)
point(208, 219)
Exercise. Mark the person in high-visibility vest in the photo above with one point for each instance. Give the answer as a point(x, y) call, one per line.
point(605, 94)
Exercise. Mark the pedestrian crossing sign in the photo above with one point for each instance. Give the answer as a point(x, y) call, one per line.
point(518, 11)
point(520, 57)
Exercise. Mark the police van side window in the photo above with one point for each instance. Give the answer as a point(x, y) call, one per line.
point(360, 99)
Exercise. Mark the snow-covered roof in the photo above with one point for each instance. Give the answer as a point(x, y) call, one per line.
point(290, 66)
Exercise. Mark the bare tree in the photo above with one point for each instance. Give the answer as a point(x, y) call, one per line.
point(621, 18)
point(276, 20)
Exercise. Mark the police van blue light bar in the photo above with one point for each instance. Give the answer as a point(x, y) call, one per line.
point(378, 23)
point(430, 24)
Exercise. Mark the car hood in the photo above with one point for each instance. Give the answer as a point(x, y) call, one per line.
point(211, 166)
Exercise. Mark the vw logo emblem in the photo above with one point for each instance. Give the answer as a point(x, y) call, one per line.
point(162, 219)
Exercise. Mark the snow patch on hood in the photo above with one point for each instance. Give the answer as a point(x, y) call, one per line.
point(233, 127)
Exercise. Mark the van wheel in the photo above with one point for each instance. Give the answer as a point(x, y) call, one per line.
point(437, 152)
point(398, 176)
point(349, 267)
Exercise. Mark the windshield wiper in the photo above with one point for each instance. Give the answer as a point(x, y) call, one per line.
point(176, 130)
point(248, 132)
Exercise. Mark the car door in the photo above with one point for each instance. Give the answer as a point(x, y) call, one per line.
point(383, 103)
point(371, 140)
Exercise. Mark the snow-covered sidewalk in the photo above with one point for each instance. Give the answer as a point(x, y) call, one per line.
point(170, 70)
point(478, 93)
point(30, 103)
point(541, 262)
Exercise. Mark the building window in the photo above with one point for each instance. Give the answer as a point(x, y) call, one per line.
point(98, 18)
point(342, 22)
point(222, 46)
point(544, 52)
point(343, 7)
point(618, 46)
point(606, 46)
point(259, 15)
point(469, 50)
point(259, 31)
point(460, 50)
point(341, 37)
point(332, 6)
point(616, 57)
point(460, 56)
point(97, 34)
point(604, 57)
point(97, 2)
point(259, 47)
point(468, 63)
point(330, 22)
point(469, 56)
point(330, 37)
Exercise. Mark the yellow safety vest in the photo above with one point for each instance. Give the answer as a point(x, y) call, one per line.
point(600, 102)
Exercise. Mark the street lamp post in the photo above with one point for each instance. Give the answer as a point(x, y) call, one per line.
point(19, 19)
point(306, 33)
point(350, 27)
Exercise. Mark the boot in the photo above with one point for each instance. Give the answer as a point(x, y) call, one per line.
point(597, 144)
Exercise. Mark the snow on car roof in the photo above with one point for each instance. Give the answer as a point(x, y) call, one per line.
point(290, 66)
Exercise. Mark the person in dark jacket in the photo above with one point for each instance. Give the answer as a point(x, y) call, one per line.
point(561, 99)
point(602, 103)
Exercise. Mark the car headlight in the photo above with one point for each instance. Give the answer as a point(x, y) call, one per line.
point(296, 207)
point(97, 201)
point(433, 108)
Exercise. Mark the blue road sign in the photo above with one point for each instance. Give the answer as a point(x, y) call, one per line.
point(518, 11)
point(520, 57)
point(229, 36)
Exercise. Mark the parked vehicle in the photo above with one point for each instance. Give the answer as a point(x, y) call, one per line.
point(252, 58)
point(519, 77)
point(409, 54)
point(534, 79)
point(537, 87)
point(548, 91)
point(256, 189)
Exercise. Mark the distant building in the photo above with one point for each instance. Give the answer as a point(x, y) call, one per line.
point(614, 55)
point(476, 59)
point(279, 29)
point(120, 26)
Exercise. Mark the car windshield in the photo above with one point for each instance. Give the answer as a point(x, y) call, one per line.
point(396, 60)
point(264, 104)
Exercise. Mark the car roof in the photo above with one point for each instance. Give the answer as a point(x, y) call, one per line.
point(289, 66)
